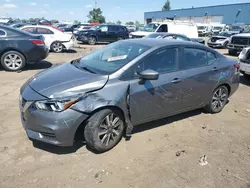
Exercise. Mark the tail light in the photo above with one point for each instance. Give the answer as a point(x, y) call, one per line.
point(37, 42)
point(237, 66)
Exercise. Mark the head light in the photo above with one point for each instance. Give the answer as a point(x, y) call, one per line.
point(55, 105)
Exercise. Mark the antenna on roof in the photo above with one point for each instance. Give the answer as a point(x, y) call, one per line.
point(95, 4)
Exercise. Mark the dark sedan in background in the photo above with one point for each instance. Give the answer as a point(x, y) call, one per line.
point(18, 48)
point(175, 37)
point(126, 83)
point(103, 33)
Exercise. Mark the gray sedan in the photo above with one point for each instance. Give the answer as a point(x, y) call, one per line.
point(124, 84)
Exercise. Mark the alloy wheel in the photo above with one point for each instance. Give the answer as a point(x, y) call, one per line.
point(92, 40)
point(110, 129)
point(13, 61)
point(219, 98)
point(57, 47)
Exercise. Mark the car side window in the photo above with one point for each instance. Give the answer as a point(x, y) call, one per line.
point(211, 58)
point(194, 57)
point(113, 29)
point(104, 28)
point(178, 37)
point(163, 28)
point(45, 31)
point(30, 29)
point(2, 33)
point(162, 61)
point(171, 37)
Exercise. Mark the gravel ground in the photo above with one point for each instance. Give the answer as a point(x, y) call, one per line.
point(190, 150)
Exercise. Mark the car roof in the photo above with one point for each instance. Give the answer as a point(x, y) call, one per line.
point(166, 34)
point(152, 42)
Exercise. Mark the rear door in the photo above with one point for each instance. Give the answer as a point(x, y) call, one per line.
point(153, 99)
point(113, 32)
point(200, 73)
point(48, 35)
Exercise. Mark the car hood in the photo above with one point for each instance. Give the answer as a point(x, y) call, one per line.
point(140, 33)
point(66, 80)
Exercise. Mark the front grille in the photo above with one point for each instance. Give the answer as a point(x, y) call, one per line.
point(240, 40)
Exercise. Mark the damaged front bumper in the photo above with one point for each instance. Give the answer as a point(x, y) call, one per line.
point(50, 127)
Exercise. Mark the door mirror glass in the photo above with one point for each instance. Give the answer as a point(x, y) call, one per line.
point(148, 75)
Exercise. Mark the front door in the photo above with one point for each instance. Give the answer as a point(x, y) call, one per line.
point(102, 34)
point(200, 72)
point(154, 99)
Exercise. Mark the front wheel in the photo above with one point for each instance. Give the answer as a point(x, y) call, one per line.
point(104, 130)
point(225, 44)
point(218, 100)
point(92, 40)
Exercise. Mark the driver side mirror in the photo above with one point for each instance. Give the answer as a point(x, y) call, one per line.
point(148, 75)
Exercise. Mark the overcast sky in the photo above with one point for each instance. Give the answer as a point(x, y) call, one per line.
point(113, 10)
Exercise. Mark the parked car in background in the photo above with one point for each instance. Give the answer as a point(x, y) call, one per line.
point(131, 28)
point(217, 28)
point(69, 28)
point(244, 58)
point(81, 27)
point(17, 48)
point(220, 41)
point(124, 84)
point(204, 30)
point(172, 26)
point(237, 42)
point(55, 39)
point(103, 33)
point(18, 25)
point(175, 37)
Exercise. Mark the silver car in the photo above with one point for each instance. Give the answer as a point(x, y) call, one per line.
point(124, 84)
point(244, 58)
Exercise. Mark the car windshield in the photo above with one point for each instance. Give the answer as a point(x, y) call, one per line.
point(154, 35)
point(217, 28)
point(95, 27)
point(111, 58)
point(202, 27)
point(151, 27)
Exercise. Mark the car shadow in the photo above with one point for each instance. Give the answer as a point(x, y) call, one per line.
point(137, 129)
point(245, 80)
point(165, 121)
point(35, 66)
point(57, 149)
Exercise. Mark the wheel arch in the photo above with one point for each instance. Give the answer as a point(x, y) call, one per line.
point(80, 129)
point(12, 49)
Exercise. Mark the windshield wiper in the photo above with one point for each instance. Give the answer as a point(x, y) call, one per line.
point(77, 65)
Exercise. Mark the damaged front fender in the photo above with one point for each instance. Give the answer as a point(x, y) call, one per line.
point(114, 94)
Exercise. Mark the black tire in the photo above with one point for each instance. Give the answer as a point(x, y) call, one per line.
point(211, 107)
point(247, 76)
point(19, 63)
point(92, 40)
point(232, 52)
point(225, 44)
point(94, 132)
point(120, 38)
point(56, 47)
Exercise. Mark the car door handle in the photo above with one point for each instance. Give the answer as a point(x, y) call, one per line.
point(176, 80)
point(215, 69)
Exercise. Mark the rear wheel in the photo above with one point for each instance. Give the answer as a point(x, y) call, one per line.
point(13, 61)
point(104, 130)
point(218, 100)
point(232, 52)
point(57, 47)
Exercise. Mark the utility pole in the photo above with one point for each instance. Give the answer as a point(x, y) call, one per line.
point(95, 4)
